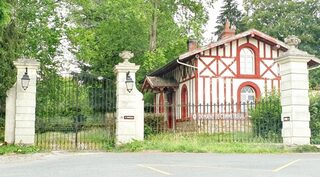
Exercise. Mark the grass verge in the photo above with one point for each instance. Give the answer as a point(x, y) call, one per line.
point(204, 144)
point(17, 149)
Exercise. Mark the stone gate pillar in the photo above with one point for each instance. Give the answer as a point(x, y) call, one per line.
point(294, 94)
point(130, 105)
point(21, 105)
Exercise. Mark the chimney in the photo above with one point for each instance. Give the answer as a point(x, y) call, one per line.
point(192, 44)
point(228, 31)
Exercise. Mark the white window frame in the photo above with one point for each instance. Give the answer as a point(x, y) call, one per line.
point(247, 98)
point(247, 61)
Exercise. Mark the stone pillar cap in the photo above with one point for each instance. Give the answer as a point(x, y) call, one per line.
point(126, 56)
point(292, 42)
point(26, 62)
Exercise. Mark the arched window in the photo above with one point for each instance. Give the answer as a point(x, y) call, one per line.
point(184, 102)
point(247, 61)
point(248, 95)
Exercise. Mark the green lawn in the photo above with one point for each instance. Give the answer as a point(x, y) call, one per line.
point(202, 143)
point(167, 142)
point(90, 139)
point(8, 149)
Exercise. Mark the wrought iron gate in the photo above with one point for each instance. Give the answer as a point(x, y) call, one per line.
point(75, 112)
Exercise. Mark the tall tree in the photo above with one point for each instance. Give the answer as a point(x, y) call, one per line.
point(24, 32)
point(229, 11)
point(288, 17)
point(7, 46)
point(156, 31)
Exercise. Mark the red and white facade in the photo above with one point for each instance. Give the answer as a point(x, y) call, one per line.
point(238, 68)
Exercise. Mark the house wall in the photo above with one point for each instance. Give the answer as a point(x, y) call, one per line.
point(219, 71)
point(185, 76)
point(218, 79)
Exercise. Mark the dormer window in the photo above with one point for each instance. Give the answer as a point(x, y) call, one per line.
point(247, 61)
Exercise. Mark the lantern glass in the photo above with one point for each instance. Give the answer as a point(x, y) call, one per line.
point(129, 82)
point(25, 80)
point(129, 85)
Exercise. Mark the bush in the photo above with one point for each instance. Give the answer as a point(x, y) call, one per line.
point(266, 117)
point(153, 123)
point(315, 119)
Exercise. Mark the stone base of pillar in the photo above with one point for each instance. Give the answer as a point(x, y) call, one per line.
point(296, 133)
point(292, 141)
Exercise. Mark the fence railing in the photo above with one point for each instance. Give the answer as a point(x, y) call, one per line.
point(245, 122)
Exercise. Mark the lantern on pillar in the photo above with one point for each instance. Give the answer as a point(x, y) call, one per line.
point(129, 82)
point(25, 80)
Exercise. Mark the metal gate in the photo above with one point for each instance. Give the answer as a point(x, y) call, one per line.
point(75, 112)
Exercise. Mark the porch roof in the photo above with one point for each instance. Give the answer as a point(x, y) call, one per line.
point(158, 83)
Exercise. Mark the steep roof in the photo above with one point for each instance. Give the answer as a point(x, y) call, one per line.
point(313, 63)
point(252, 32)
point(189, 55)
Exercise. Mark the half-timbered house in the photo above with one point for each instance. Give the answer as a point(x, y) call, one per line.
point(239, 68)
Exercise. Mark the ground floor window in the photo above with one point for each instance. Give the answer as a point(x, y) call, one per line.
point(248, 95)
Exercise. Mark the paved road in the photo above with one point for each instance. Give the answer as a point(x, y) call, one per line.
point(160, 165)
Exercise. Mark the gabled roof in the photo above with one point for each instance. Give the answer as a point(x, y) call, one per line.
point(252, 32)
point(313, 63)
point(188, 55)
point(154, 83)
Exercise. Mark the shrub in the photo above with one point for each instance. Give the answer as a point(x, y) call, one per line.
point(266, 117)
point(153, 123)
point(315, 119)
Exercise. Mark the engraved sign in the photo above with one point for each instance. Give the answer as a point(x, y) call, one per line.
point(286, 118)
point(128, 117)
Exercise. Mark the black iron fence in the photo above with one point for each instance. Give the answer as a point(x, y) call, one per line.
point(75, 113)
point(243, 122)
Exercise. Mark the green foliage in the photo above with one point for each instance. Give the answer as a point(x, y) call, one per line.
point(306, 148)
point(25, 34)
point(288, 17)
point(153, 124)
point(71, 104)
point(315, 119)
point(105, 28)
point(4, 13)
point(231, 12)
point(266, 117)
point(18, 149)
point(197, 143)
point(88, 138)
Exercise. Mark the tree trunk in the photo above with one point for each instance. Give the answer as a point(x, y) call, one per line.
point(153, 32)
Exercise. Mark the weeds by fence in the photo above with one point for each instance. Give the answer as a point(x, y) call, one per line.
point(238, 122)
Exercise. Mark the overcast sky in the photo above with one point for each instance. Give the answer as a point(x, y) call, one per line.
point(213, 14)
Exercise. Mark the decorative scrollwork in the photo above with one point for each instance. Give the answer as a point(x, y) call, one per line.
point(292, 41)
point(126, 55)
